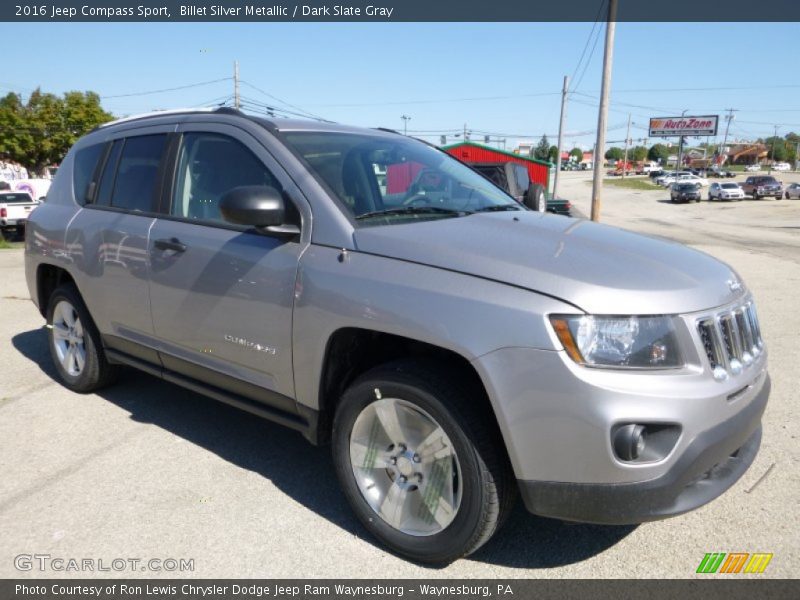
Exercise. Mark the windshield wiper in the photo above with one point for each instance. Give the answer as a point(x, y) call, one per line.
point(413, 210)
point(499, 208)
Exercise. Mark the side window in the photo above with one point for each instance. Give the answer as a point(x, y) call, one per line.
point(106, 185)
point(83, 170)
point(523, 179)
point(137, 173)
point(209, 165)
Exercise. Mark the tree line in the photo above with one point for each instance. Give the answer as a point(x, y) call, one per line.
point(38, 132)
point(780, 149)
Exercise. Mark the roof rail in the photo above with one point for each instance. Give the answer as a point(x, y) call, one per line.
point(227, 110)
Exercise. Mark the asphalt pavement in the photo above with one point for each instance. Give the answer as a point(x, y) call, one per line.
point(148, 470)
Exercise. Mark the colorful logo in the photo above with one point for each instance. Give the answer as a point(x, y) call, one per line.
point(734, 562)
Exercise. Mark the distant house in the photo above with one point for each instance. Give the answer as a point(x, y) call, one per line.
point(746, 153)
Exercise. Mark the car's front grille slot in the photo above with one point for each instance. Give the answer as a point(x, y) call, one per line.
point(731, 340)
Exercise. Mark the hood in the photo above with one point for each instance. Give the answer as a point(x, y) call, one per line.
point(599, 269)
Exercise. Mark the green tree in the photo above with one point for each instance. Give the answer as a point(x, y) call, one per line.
point(777, 148)
point(542, 149)
point(614, 153)
point(552, 154)
point(658, 152)
point(637, 153)
point(577, 154)
point(39, 132)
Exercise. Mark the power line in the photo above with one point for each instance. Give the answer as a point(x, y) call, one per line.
point(591, 54)
point(586, 45)
point(172, 89)
point(297, 108)
point(439, 101)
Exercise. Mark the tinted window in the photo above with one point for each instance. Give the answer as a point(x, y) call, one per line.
point(83, 170)
point(106, 186)
point(135, 184)
point(15, 198)
point(523, 180)
point(209, 165)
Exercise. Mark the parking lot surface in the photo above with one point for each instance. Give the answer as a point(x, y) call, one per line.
point(149, 470)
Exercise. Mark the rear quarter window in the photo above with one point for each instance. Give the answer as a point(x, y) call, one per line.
point(83, 170)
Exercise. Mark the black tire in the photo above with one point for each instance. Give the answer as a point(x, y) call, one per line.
point(96, 372)
point(487, 482)
point(535, 198)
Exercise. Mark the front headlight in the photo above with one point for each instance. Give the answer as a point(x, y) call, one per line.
point(620, 342)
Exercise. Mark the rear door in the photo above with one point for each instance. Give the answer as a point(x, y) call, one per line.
point(223, 295)
point(109, 239)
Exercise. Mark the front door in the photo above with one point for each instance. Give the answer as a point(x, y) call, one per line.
point(221, 295)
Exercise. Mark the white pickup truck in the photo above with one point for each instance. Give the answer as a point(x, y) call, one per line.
point(14, 210)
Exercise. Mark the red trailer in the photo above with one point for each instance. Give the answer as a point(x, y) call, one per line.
point(470, 152)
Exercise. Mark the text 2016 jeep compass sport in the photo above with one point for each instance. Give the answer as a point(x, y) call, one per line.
point(452, 346)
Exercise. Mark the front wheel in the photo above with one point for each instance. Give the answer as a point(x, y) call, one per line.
point(420, 461)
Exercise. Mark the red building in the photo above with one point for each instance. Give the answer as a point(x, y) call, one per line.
point(470, 152)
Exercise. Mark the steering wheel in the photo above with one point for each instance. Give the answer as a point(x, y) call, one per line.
point(416, 199)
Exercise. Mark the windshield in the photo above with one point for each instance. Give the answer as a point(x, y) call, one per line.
point(688, 186)
point(730, 186)
point(387, 180)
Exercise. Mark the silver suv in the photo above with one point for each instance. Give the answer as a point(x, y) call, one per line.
point(372, 292)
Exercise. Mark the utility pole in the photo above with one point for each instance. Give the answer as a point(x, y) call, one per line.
point(728, 118)
point(602, 117)
point(406, 119)
point(564, 92)
point(466, 138)
point(772, 162)
point(627, 141)
point(236, 97)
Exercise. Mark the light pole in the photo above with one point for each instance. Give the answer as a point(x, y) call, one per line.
point(772, 162)
point(406, 119)
point(680, 150)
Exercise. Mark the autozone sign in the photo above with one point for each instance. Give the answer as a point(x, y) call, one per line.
point(675, 126)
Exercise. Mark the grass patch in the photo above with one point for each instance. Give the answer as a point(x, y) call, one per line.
point(631, 184)
point(6, 245)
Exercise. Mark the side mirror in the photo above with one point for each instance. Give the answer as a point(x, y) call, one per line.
point(261, 207)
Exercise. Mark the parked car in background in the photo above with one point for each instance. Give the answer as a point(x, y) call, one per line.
point(684, 192)
point(717, 172)
point(793, 191)
point(725, 191)
point(15, 207)
point(752, 168)
point(763, 186)
point(782, 166)
point(670, 177)
point(692, 178)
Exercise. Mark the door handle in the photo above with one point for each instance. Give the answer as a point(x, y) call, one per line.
point(173, 244)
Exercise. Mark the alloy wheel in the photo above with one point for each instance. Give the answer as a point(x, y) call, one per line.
point(406, 467)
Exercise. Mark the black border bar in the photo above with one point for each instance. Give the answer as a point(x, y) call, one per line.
point(710, 587)
point(397, 11)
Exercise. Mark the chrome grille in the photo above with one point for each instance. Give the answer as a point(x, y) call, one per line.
point(731, 340)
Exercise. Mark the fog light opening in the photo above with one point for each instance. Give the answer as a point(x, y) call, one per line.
point(630, 441)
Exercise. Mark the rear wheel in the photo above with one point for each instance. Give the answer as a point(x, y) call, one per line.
point(75, 344)
point(420, 462)
point(535, 198)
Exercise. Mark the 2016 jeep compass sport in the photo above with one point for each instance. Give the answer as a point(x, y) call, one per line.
point(372, 292)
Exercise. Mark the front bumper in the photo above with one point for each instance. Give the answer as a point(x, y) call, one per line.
point(708, 466)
